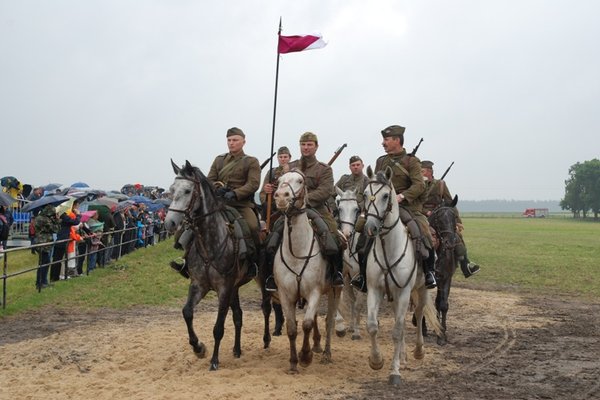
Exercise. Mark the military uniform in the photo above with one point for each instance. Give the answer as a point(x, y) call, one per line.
point(240, 173)
point(356, 183)
point(46, 225)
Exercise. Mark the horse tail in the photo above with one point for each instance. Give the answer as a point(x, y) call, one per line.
point(430, 314)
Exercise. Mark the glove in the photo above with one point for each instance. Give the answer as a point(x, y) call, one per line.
point(221, 191)
point(230, 195)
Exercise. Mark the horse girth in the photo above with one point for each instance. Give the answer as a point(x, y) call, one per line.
point(387, 268)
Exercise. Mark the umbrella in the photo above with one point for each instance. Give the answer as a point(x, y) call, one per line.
point(86, 215)
point(109, 206)
point(123, 205)
point(9, 182)
point(118, 196)
point(164, 201)
point(141, 200)
point(66, 206)
point(80, 185)
point(6, 200)
point(52, 186)
point(107, 201)
point(39, 203)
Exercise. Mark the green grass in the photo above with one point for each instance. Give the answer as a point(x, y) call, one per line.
point(547, 255)
point(551, 256)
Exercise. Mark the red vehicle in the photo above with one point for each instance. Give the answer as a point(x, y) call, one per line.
point(535, 213)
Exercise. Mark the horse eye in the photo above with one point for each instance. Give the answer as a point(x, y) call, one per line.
point(188, 191)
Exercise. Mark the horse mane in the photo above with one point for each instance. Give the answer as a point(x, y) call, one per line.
point(381, 178)
point(194, 173)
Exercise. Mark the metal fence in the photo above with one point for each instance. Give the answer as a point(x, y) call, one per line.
point(119, 243)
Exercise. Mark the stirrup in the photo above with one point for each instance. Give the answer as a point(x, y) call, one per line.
point(270, 285)
point(432, 283)
point(358, 282)
point(252, 270)
point(337, 280)
point(180, 267)
point(472, 269)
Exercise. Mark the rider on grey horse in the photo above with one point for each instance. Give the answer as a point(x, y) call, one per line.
point(236, 177)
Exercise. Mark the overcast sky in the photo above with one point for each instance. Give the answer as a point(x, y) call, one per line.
point(107, 92)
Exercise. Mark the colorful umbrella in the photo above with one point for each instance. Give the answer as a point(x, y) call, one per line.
point(80, 185)
point(6, 200)
point(87, 215)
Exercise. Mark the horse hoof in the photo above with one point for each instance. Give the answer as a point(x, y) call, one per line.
point(326, 359)
point(277, 332)
point(419, 354)
point(394, 380)
point(441, 341)
point(356, 336)
point(237, 353)
point(375, 365)
point(214, 366)
point(305, 359)
point(200, 350)
point(317, 349)
point(292, 371)
point(340, 333)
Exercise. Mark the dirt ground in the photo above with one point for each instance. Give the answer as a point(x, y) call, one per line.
point(503, 345)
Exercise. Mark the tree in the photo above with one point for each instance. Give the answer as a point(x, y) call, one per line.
point(582, 189)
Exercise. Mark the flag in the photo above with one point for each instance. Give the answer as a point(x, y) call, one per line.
point(290, 44)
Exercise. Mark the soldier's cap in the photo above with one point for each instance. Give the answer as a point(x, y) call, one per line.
point(393, 130)
point(235, 131)
point(354, 159)
point(309, 137)
point(283, 150)
point(427, 164)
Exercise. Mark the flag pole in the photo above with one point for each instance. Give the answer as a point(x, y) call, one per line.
point(270, 195)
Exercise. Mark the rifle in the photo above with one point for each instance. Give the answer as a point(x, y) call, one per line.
point(446, 173)
point(416, 148)
point(264, 164)
point(337, 154)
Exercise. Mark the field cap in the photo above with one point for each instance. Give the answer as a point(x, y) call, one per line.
point(309, 137)
point(235, 131)
point(427, 164)
point(393, 130)
point(283, 150)
point(354, 159)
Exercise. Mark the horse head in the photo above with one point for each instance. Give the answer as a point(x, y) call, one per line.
point(380, 201)
point(191, 192)
point(443, 221)
point(348, 210)
point(291, 192)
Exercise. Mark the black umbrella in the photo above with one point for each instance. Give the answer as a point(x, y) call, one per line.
point(6, 200)
point(39, 203)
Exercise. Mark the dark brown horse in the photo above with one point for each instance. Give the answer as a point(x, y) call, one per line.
point(443, 220)
point(212, 260)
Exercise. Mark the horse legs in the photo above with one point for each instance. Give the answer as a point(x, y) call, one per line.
point(421, 300)
point(289, 311)
point(373, 301)
point(279, 319)
point(237, 313)
point(218, 330)
point(265, 305)
point(441, 303)
point(401, 302)
point(308, 323)
point(316, 348)
point(358, 302)
point(332, 305)
point(195, 294)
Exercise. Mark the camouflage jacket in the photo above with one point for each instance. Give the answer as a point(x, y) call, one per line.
point(46, 224)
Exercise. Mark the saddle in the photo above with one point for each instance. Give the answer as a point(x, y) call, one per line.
point(415, 230)
point(241, 231)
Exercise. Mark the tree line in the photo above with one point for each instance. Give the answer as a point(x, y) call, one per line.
point(582, 189)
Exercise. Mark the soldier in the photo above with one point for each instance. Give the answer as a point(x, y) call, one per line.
point(319, 184)
point(46, 225)
point(409, 185)
point(356, 180)
point(270, 181)
point(437, 192)
point(236, 177)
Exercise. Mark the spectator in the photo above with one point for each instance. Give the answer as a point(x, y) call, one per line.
point(68, 218)
point(46, 226)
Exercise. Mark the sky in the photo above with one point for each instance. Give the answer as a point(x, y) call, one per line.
point(107, 92)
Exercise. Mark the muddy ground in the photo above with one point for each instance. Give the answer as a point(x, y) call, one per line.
point(503, 345)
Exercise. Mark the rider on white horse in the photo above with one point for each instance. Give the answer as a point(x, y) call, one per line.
point(236, 177)
point(319, 183)
point(410, 187)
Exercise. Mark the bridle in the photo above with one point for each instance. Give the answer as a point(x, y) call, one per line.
point(292, 208)
point(189, 212)
point(447, 234)
point(378, 215)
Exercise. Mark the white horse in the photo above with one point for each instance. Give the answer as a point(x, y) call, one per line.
point(300, 271)
point(352, 300)
point(392, 270)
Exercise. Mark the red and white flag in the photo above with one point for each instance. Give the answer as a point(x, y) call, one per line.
point(290, 44)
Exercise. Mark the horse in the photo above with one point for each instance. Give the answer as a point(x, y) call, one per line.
point(393, 271)
point(212, 260)
point(443, 221)
point(300, 271)
point(352, 300)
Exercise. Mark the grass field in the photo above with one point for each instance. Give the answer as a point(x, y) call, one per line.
point(547, 255)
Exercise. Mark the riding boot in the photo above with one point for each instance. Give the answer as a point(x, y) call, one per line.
point(364, 246)
point(270, 285)
point(181, 267)
point(429, 269)
point(468, 268)
point(336, 262)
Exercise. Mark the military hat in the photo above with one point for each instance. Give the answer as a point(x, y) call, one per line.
point(235, 131)
point(427, 164)
point(309, 137)
point(283, 150)
point(354, 159)
point(393, 130)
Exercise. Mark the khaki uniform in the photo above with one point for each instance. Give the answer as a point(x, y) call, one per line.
point(319, 185)
point(436, 192)
point(274, 175)
point(241, 173)
point(356, 183)
point(408, 181)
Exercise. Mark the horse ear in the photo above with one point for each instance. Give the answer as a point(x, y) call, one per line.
point(176, 169)
point(188, 166)
point(339, 191)
point(454, 201)
point(369, 172)
point(389, 173)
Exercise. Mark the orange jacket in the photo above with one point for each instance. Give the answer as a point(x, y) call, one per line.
point(75, 237)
